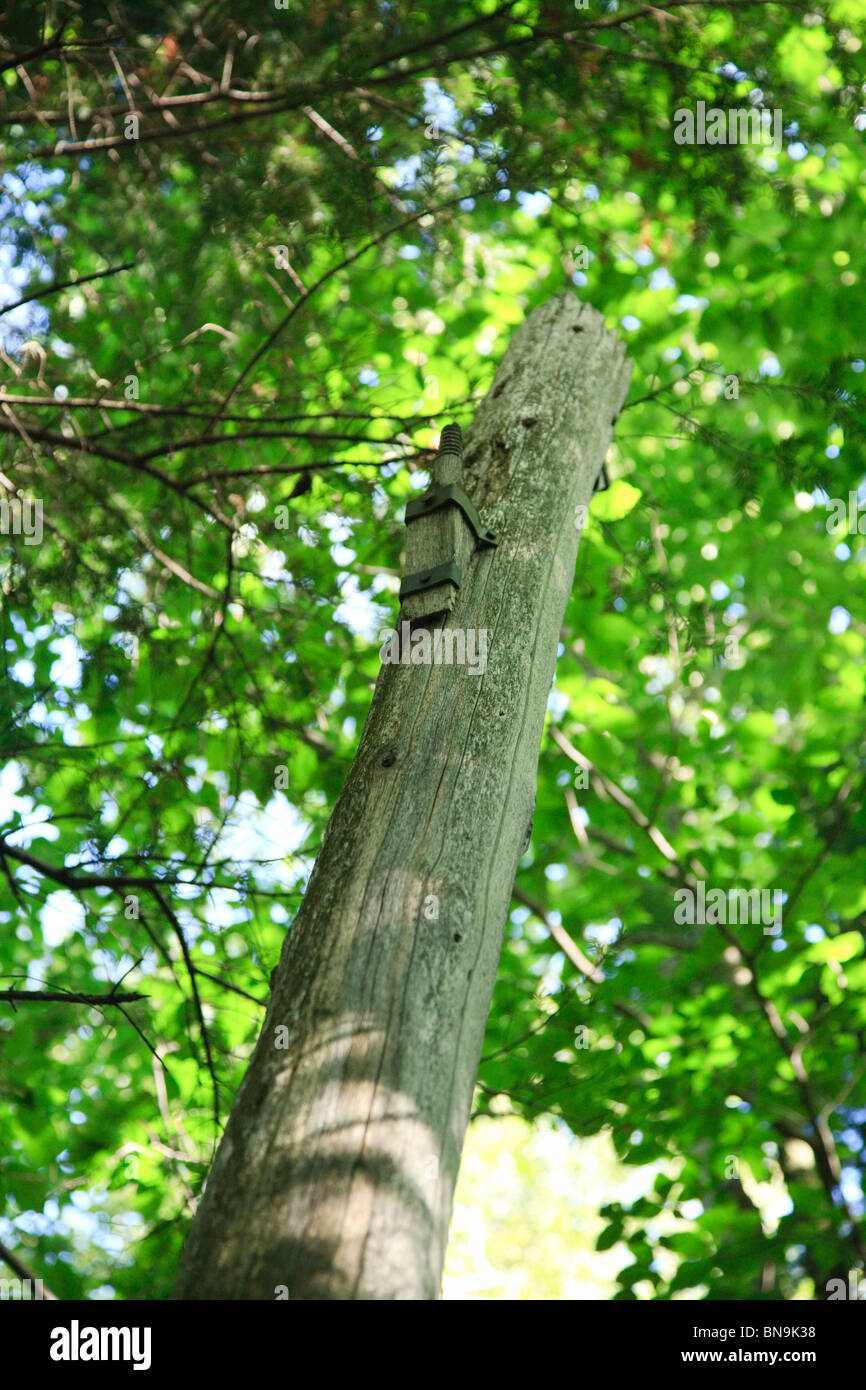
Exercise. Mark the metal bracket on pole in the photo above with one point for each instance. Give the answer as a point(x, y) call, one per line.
point(449, 573)
point(443, 529)
point(439, 496)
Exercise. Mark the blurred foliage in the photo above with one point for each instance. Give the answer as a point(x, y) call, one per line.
point(331, 218)
point(526, 1213)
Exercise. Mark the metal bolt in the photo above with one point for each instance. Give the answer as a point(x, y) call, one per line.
point(451, 440)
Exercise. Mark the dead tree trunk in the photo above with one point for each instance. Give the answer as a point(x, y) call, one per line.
point(335, 1176)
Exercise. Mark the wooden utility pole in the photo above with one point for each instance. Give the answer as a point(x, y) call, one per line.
point(335, 1175)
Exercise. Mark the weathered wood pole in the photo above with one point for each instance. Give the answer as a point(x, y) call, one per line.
point(335, 1175)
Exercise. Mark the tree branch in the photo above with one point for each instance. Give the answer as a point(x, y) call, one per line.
point(65, 285)
point(20, 1268)
point(59, 996)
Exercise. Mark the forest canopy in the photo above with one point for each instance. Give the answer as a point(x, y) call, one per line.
point(252, 260)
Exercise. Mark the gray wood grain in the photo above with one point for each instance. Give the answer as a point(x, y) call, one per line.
point(336, 1172)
